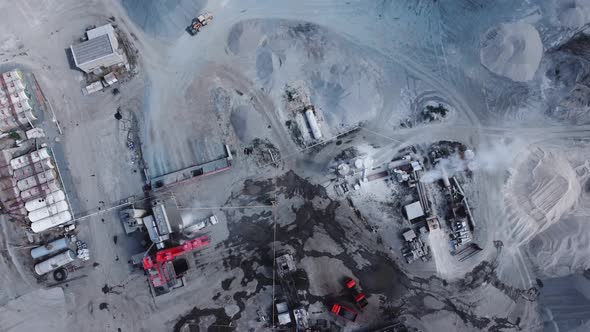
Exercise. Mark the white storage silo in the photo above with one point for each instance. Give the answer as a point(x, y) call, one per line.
point(12, 75)
point(54, 197)
point(48, 211)
point(32, 169)
point(40, 190)
point(313, 124)
point(50, 248)
point(30, 158)
point(37, 179)
point(50, 222)
point(55, 262)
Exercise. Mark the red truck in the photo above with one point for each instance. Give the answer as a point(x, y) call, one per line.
point(344, 312)
point(357, 295)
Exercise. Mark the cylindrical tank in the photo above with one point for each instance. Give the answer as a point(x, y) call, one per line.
point(36, 180)
point(54, 197)
point(40, 190)
point(343, 169)
point(47, 211)
point(30, 158)
point(313, 124)
point(50, 222)
point(55, 262)
point(50, 248)
point(32, 169)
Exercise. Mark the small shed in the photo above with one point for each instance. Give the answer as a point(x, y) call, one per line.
point(409, 235)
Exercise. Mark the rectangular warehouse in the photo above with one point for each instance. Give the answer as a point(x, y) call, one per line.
point(101, 50)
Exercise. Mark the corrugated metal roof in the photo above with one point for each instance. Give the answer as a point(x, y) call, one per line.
point(92, 49)
point(414, 210)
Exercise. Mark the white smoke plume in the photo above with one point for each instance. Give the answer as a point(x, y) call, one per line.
point(489, 159)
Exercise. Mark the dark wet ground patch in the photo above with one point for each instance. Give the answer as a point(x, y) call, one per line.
point(225, 284)
point(252, 236)
point(190, 322)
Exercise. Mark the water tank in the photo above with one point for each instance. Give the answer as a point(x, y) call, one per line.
point(50, 248)
point(55, 262)
point(52, 198)
point(47, 211)
point(50, 222)
point(36, 180)
point(30, 158)
point(343, 169)
point(313, 124)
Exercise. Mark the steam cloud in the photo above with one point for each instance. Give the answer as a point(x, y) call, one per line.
point(491, 159)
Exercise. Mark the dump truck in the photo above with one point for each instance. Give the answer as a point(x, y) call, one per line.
point(357, 294)
point(198, 22)
point(344, 312)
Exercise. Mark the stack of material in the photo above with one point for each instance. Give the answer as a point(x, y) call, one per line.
point(82, 250)
point(37, 191)
point(15, 109)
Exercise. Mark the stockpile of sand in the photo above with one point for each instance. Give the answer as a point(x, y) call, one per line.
point(541, 190)
point(572, 14)
point(343, 78)
point(513, 50)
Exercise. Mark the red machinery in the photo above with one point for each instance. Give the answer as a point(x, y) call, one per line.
point(344, 312)
point(357, 295)
point(160, 269)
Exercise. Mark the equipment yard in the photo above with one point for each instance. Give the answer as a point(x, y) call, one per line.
point(317, 165)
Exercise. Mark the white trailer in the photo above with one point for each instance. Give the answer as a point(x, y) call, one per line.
point(50, 222)
point(54, 197)
point(316, 133)
point(55, 262)
point(48, 211)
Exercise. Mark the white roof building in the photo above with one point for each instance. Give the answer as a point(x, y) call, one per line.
point(100, 50)
point(414, 210)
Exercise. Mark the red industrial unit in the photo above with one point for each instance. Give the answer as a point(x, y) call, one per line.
point(160, 267)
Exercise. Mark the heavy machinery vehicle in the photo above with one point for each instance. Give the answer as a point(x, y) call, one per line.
point(344, 312)
point(160, 268)
point(357, 295)
point(198, 22)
